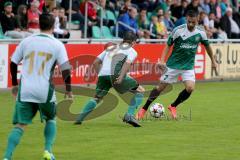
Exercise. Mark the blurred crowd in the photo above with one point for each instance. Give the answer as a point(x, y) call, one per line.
point(151, 19)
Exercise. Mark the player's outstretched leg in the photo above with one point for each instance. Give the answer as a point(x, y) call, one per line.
point(134, 103)
point(88, 108)
point(183, 95)
point(49, 134)
point(153, 95)
point(13, 140)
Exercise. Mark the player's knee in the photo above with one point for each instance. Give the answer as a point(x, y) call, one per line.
point(51, 121)
point(22, 126)
point(190, 89)
point(98, 99)
point(161, 87)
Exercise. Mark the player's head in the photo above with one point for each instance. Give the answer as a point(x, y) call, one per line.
point(192, 19)
point(46, 21)
point(129, 37)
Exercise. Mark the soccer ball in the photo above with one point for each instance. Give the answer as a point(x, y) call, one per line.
point(157, 110)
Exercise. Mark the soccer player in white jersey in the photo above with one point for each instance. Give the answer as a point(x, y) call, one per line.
point(112, 66)
point(39, 54)
point(185, 40)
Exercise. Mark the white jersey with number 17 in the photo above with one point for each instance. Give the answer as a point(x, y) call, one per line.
point(39, 54)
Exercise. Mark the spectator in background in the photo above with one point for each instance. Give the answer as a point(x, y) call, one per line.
point(157, 28)
point(106, 21)
point(75, 10)
point(111, 6)
point(21, 17)
point(9, 24)
point(42, 6)
point(91, 10)
point(179, 11)
point(15, 4)
point(159, 12)
point(143, 23)
point(205, 6)
point(168, 21)
point(175, 4)
point(236, 17)
point(229, 24)
point(152, 5)
point(162, 27)
point(204, 21)
point(58, 32)
point(224, 5)
point(62, 18)
point(140, 3)
point(149, 4)
point(194, 6)
point(129, 19)
point(33, 17)
point(126, 6)
point(215, 8)
point(214, 27)
point(165, 5)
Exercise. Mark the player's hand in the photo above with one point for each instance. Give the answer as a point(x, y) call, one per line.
point(14, 91)
point(118, 80)
point(162, 67)
point(68, 95)
point(214, 65)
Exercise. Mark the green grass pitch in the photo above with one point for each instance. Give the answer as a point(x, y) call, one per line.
point(213, 133)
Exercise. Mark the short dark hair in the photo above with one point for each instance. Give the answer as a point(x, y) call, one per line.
point(192, 13)
point(129, 37)
point(46, 21)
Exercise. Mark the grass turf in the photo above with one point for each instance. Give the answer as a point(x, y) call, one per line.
point(213, 132)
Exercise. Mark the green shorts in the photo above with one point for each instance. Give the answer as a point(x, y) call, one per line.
point(26, 111)
point(106, 82)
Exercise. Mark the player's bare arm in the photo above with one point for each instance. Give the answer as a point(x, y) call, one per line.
point(162, 64)
point(97, 64)
point(125, 69)
point(66, 74)
point(210, 54)
point(13, 70)
point(165, 52)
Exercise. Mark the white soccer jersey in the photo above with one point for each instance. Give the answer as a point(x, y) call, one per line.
point(39, 54)
point(110, 58)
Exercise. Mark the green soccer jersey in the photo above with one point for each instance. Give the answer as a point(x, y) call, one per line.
point(185, 46)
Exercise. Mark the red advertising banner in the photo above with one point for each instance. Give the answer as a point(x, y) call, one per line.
point(144, 69)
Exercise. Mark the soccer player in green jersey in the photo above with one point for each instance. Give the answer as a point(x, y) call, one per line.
point(112, 66)
point(185, 40)
point(39, 54)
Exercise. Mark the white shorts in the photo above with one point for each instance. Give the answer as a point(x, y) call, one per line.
point(171, 75)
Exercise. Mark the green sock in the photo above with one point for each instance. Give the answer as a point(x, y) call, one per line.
point(50, 133)
point(88, 108)
point(135, 102)
point(13, 141)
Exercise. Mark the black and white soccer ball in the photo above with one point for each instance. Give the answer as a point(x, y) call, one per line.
point(157, 110)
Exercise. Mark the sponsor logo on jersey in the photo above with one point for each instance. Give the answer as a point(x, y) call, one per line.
point(188, 46)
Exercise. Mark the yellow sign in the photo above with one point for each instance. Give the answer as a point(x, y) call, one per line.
point(228, 59)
